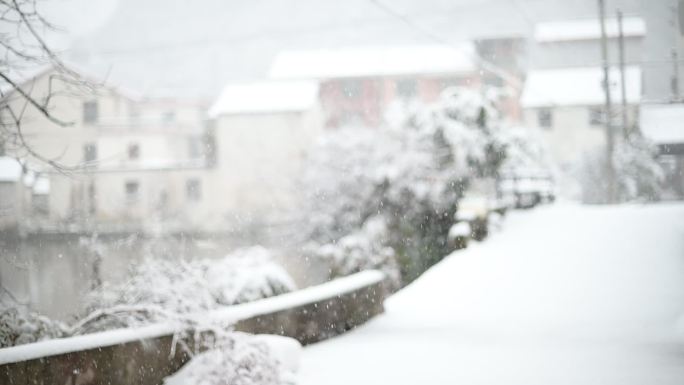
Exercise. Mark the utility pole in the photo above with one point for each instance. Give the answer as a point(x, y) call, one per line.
point(623, 82)
point(610, 170)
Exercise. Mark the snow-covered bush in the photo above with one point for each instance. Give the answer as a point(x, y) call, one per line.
point(526, 154)
point(20, 326)
point(246, 275)
point(458, 235)
point(361, 250)
point(638, 175)
point(162, 289)
point(239, 359)
point(412, 174)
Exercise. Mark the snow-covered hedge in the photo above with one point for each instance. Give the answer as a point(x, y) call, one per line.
point(364, 249)
point(638, 175)
point(18, 325)
point(162, 289)
point(410, 174)
point(157, 289)
point(241, 359)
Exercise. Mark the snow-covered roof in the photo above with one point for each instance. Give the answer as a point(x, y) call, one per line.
point(588, 29)
point(578, 87)
point(662, 123)
point(374, 61)
point(265, 97)
point(10, 169)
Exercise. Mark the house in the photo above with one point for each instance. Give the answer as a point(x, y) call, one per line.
point(261, 132)
point(130, 161)
point(663, 124)
point(357, 85)
point(567, 105)
point(575, 43)
point(563, 93)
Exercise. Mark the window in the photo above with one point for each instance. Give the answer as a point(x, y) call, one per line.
point(351, 88)
point(89, 152)
point(545, 118)
point(407, 88)
point(132, 191)
point(92, 198)
point(193, 190)
point(40, 204)
point(195, 147)
point(596, 116)
point(90, 112)
point(133, 151)
point(169, 117)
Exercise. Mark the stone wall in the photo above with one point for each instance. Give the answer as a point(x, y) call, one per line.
point(147, 361)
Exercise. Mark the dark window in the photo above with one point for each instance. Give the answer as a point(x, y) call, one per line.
point(195, 147)
point(193, 189)
point(545, 118)
point(351, 88)
point(596, 116)
point(169, 117)
point(407, 88)
point(92, 202)
point(41, 204)
point(132, 191)
point(90, 112)
point(89, 152)
point(133, 151)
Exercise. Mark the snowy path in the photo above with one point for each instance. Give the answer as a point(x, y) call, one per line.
point(563, 295)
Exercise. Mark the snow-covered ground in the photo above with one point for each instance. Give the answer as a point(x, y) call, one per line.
point(565, 294)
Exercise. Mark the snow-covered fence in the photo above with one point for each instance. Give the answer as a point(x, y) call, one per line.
point(146, 355)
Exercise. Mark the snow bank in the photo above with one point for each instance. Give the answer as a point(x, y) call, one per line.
point(309, 295)
point(243, 359)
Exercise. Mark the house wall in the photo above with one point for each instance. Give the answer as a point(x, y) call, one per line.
point(364, 101)
point(259, 159)
point(582, 53)
point(10, 204)
point(571, 134)
point(164, 148)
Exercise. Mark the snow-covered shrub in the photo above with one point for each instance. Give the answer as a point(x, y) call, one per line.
point(411, 174)
point(638, 176)
point(162, 289)
point(361, 250)
point(246, 275)
point(459, 234)
point(20, 326)
point(237, 359)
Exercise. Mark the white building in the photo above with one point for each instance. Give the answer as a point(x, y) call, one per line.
point(262, 132)
point(359, 84)
point(663, 124)
point(573, 43)
point(129, 163)
point(567, 104)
